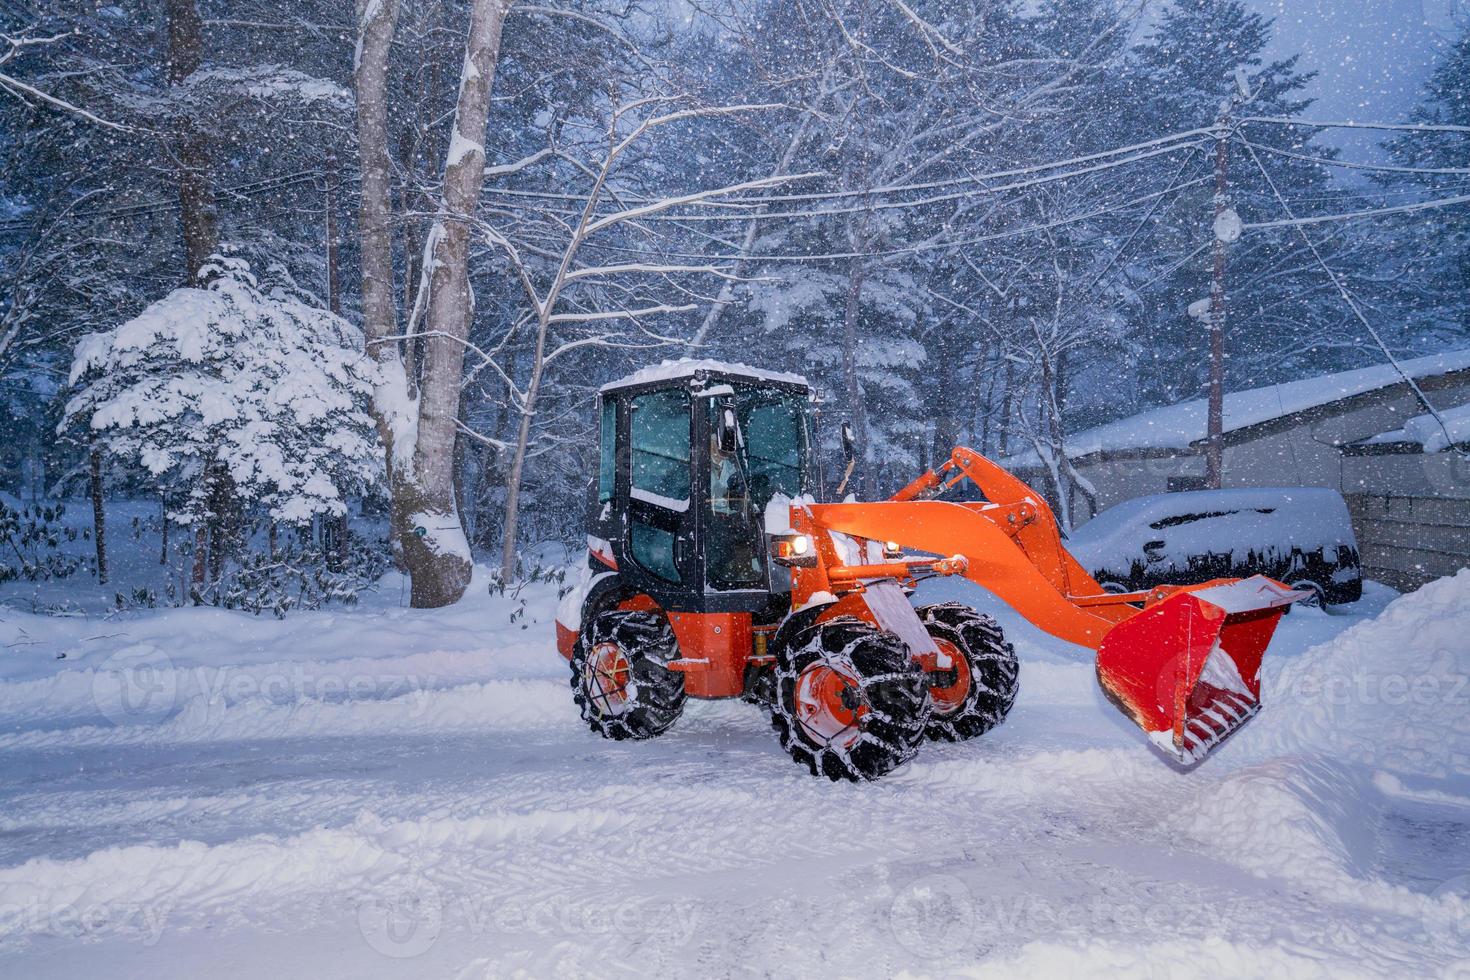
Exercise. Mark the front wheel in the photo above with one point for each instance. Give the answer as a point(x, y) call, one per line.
point(849, 701)
point(981, 686)
point(619, 680)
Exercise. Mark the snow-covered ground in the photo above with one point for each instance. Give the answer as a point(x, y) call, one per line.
point(386, 792)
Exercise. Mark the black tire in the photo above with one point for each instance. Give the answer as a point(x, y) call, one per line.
point(1317, 600)
point(642, 701)
point(994, 672)
point(881, 687)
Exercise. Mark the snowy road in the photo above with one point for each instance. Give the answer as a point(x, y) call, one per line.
point(383, 792)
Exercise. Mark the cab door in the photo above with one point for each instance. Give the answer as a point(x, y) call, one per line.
point(660, 479)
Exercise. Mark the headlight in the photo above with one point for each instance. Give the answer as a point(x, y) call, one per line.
point(794, 550)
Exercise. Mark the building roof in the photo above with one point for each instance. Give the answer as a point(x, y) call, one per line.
point(1182, 426)
point(687, 367)
point(1424, 433)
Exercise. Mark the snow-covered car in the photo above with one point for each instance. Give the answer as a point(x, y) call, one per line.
point(1298, 535)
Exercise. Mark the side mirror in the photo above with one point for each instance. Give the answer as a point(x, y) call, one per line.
point(849, 443)
point(729, 430)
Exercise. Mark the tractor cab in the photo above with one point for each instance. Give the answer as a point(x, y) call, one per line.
point(691, 452)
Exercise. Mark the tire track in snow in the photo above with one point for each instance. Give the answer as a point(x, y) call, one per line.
point(491, 706)
point(78, 695)
point(191, 881)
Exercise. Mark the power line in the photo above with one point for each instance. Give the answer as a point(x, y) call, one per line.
point(886, 190)
point(907, 250)
point(1391, 127)
point(1295, 222)
point(892, 205)
point(1377, 167)
point(1353, 303)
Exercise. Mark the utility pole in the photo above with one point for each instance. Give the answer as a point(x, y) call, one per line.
point(1215, 426)
point(1227, 231)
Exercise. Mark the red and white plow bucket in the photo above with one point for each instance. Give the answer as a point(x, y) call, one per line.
point(1187, 669)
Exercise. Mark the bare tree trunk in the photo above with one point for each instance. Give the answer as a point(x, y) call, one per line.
point(856, 405)
point(518, 461)
point(420, 431)
point(163, 510)
point(334, 274)
point(99, 517)
point(337, 554)
point(394, 403)
point(1006, 403)
point(201, 556)
point(947, 416)
point(439, 562)
point(191, 153)
point(196, 190)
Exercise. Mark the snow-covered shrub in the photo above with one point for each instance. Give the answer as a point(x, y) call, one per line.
point(301, 577)
point(31, 541)
point(235, 383)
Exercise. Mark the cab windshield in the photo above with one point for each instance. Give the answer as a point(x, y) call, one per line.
point(770, 458)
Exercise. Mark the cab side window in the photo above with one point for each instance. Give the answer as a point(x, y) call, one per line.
point(607, 468)
point(660, 438)
point(661, 477)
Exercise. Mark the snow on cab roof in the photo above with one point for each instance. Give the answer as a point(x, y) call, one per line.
point(686, 367)
point(1180, 426)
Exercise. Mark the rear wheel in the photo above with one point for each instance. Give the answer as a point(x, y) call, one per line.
point(849, 701)
point(1317, 598)
point(979, 693)
point(619, 680)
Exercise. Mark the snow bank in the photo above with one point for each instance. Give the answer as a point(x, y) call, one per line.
point(1311, 821)
point(1392, 693)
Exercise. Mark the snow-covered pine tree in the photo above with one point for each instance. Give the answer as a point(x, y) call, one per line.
point(234, 394)
point(1282, 313)
point(1436, 242)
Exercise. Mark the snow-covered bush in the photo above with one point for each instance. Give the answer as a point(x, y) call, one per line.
point(301, 577)
point(31, 540)
point(238, 383)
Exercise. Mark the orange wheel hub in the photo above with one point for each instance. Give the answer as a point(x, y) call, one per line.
point(829, 706)
point(949, 699)
point(606, 677)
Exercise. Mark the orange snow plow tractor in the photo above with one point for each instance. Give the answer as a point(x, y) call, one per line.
point(712, 572)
